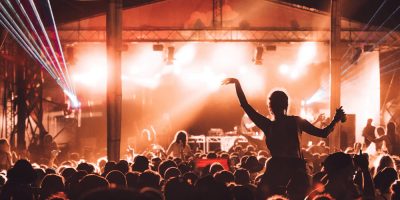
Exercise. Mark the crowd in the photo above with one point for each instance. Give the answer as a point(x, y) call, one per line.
point(285, 170)
point(340, 175)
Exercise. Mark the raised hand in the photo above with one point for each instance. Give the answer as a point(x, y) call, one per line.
point(229, 81)
point(340, 115)
point(320, 117)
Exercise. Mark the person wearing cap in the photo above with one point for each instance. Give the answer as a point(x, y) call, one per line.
point(286, 168)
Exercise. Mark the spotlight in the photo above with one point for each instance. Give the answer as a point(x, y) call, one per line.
point(258, 57)
point(170, 55)
point(158, 47)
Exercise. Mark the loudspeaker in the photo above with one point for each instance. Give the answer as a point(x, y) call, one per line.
point(348, 132)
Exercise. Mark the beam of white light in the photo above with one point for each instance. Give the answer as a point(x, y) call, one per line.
point(73, 98)
point(24, 42)
point(284, 69)
point(317, 97)
point(42, 48)
point(32, 41)
point(60, 48)
point(47, 39)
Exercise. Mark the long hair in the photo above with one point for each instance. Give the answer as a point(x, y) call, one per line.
point(181, 137)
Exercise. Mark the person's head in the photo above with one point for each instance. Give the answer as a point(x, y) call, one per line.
point(21, 172)
point(215, 167)
point(4, 145)
point(181, 137)
point(385, 161)
point(85, 167)
point(48, 139)
point(149, 179)
point(51, 184)
point(278, 102)
point(339, 166)
point(384, 179)
point(91, 182)
point(380, 131)
point(165, 165)
point(178, 189)
point(140, 164)
point(224, 176)
point(369, 121)
point(122, 166)
point(116, 179)
point(171, 173)
point(242, 176)
point(132, 179)
point(391, 127)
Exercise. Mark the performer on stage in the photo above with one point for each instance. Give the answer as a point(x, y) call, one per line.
point(286, 170)
point(180, 147)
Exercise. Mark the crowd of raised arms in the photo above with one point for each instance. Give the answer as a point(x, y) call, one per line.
point(278, 167)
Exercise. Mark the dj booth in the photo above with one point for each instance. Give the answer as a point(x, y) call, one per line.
point(214, 143)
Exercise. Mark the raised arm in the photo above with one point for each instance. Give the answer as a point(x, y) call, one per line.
point(258, 119)
point(318, 132)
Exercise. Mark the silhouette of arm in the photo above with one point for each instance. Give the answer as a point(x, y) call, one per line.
point(324, 132)
point(380, 139)
point(307, 127)
point(258, 119)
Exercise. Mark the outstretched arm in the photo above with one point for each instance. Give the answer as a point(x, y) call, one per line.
point(258, 119)
point(312, 130)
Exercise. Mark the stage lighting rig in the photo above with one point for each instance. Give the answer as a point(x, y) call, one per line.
point(258, 55)
point(170, 55)
point(158, 47)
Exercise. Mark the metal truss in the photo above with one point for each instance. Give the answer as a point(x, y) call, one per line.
point(229, 35)
point(22, 97)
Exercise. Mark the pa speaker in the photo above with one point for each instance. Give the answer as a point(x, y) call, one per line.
point(348, 132)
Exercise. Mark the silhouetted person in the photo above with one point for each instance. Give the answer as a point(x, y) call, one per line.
point(141, 164)
point(180, 147)
point(394, 140)
point(5, 155)
point(20, 179)
point(116, 179)
point(286, 167)
point(382, 137)
point(51, 184)
point(368, 133)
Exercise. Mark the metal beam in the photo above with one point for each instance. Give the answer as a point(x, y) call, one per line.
point(271, 34)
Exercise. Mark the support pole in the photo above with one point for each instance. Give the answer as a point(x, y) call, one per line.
point(114, 91)
point(21, 108)
point(335, 71)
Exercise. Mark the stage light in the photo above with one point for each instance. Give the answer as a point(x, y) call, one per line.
point(258, 55)
point(294, 74)
point(158, 47)
point(73, 99)
point(307, 53)
point(185, 54)
point(284, 69)
point(170, 55)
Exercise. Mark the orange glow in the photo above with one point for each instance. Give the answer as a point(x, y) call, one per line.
point(361, 95)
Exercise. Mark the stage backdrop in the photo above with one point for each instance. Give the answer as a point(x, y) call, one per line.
point(361, 90)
